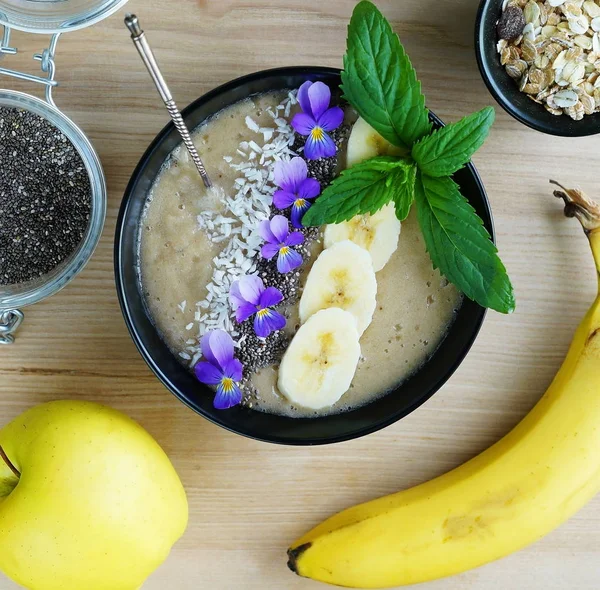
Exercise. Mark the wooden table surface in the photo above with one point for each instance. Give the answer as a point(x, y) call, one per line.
point(248, 500)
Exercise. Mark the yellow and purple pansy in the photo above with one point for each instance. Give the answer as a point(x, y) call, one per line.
point(296, 190)
point(280, 242)
point(220, 368)
point(249, 297)
point(316, 119)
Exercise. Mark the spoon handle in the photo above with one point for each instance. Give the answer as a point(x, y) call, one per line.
point(141, 43)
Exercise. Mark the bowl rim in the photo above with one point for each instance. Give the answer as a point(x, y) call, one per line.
point(490, 82)
point(146, 354)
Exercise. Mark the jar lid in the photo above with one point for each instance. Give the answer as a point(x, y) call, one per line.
point(55, 16)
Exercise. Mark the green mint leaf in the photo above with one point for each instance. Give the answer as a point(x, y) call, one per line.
point(459, 245)
point(379, 81)
point(364, 188)
point(405, 194)
point(448, 149)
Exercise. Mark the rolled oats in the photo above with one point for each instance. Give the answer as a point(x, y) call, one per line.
point(532, 13)
point(565, 98)
point(591, 9)
point(551, 49)
point(576, 112)
point(515, 69)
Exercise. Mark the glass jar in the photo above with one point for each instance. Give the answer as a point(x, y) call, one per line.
point(54, 17)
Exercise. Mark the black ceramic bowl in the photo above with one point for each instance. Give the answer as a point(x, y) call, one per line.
point(267, 427)
point(505, 90)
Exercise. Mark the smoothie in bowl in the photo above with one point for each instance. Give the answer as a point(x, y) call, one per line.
point(339, 269)
point(195, 244)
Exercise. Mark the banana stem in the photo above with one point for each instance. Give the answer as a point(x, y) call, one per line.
point(587, 211)
point(579, 205)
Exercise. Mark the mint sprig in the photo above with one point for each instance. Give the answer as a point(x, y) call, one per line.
point(364, 188)
point(459, 245)
point(404, 195)
point(380, 83)
point(448, 149)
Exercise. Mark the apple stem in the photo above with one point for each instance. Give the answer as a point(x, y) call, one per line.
point(8, 462)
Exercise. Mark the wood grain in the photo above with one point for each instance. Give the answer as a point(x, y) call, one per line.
point(249, 500)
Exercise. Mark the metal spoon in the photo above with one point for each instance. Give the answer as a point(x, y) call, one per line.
point(141, 43)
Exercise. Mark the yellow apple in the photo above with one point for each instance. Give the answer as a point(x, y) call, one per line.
point(88, 499)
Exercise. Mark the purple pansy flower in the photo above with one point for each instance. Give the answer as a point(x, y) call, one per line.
point(220, 369)
point(316, 119)
point(296, 190)
point(279, 242)
point(249, 297)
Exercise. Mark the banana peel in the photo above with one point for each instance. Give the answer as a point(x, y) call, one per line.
point(509, 496)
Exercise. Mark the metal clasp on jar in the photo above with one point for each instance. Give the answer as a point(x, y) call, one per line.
point(10, 321)
point(46, 58)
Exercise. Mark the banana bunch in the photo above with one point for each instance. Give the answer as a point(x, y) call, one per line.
point(518, 490)
point(339, 298)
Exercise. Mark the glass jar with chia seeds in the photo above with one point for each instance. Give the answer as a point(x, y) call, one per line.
point(52, 187)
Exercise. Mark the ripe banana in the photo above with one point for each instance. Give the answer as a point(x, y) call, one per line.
point(518, 490)
point(319, 364)
point(342, 276)
point(378, 234)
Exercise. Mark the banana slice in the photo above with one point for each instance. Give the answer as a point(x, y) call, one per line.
point(378, 234)
point(365, 143)
point(319, 364)
point(342, 276)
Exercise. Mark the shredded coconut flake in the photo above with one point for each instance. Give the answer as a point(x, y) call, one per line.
point(237, 227)
point(252, 124)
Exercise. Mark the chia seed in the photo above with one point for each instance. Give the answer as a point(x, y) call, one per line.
point(325, 169)
point(288, 283)
point(257, 353)
point(45, 197)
